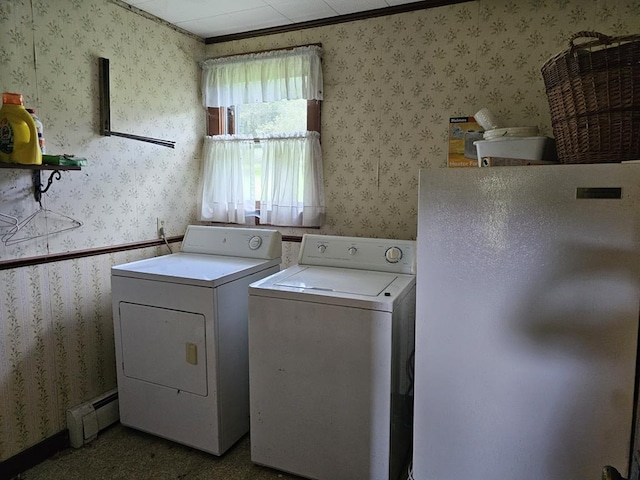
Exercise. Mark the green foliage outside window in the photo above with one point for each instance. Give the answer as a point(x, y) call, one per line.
point(259, 119)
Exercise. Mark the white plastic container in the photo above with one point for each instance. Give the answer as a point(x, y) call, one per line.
point(531, 149)
point(39, 129)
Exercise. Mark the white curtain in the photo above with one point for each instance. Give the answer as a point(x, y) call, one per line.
point(227, 192)
point(289, 167)
point(292, 190)
point(263, 77)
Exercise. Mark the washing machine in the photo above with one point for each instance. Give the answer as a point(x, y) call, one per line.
point(330, 348)
point(180, 324)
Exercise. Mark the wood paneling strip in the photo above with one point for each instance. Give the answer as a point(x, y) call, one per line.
point(59, 257)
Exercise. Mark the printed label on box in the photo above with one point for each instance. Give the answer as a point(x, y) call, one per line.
point(463, 131)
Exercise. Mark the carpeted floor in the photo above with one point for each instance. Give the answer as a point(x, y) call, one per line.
point(121, 453)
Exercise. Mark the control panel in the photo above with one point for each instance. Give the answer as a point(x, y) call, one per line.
point(385, 255)
point(233, 242)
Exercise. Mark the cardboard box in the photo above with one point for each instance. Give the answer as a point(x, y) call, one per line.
point(463, 131)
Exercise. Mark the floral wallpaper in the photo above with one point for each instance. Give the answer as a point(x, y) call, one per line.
point(49, 54)
point(56, 331)
point(391, 84)
point(55, 353)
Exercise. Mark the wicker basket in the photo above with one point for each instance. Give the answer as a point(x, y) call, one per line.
point(594, 96)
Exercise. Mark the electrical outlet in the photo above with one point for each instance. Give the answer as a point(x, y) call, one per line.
point(161, 231)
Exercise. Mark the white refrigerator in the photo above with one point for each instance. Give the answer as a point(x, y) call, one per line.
point(528, 287)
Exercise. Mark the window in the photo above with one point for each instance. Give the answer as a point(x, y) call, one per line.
point(260, 119)
point(262, 157)
point(288, 116)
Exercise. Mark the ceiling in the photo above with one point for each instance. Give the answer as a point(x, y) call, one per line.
point(217, 18)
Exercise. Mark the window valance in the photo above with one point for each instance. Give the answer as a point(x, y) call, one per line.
point(263, 77)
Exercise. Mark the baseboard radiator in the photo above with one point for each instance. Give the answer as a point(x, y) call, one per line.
point(86, 420)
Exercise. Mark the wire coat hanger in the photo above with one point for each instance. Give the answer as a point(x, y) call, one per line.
point(8, 238)
point(8, 220)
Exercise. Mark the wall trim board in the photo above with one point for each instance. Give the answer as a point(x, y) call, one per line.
point(59, 257)
point(350, 17)
point(34, 455)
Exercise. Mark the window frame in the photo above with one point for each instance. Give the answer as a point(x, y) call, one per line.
point(221, 120)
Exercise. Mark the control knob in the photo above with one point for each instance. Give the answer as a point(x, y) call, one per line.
point(255, 242)
point(322, 247)
point(393, 254)
point(352, 250)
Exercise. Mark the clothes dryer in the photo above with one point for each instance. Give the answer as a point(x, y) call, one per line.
point(330, 340)
point(180, 325)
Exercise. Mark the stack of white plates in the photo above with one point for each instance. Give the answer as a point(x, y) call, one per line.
point(511, 132)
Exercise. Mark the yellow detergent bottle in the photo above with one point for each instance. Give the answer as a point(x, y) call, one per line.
point(18, 134)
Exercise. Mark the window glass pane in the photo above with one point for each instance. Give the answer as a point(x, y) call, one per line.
point(259, 119)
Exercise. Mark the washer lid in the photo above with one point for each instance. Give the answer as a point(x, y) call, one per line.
point(193, 268)
point(346, 287)
point(356, 282)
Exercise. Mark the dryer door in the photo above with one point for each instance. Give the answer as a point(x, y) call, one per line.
point(165, 347)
